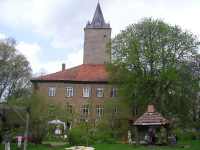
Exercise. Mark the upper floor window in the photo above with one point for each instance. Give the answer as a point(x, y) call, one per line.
point(51, 111)
point(135, 111)
point(113, 92)
point(99, 92)
point(86, 92)
point(104, 38)
point(52, 91)
point(69, 110)
point(85, 110)
point(99, 110)
point(114, 110)
point(69, 91)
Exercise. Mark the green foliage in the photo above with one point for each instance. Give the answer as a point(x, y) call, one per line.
point(182, 135)
point(102, 135)
point(76, 136)
point(153, 61)
point(54, 137)
point(113, 118)
point(15, 71)
point(39, 114)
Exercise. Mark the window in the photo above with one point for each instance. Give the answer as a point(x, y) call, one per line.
point(135, 111)
point(113, 92)
point(52, 91)
point(69, 110)
point(51, 111)
point(94, 121)
point(99, 92)
point(97, 23)
point(135, 93)
point(114, 110)
point(104, 37)
point(85, 110)
point(69, 91)
point(85, 92)
point(99, 110)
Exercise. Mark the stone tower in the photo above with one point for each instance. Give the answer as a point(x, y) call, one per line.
point(97, 33)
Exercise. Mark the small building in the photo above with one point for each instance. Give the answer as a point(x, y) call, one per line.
point(150, 119)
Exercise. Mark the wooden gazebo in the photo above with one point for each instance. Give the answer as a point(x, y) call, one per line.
point(151, 119)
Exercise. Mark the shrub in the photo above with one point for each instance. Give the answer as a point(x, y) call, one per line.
point(102, 135)
point(185, 135)
point(76, 136)
point(110, 141)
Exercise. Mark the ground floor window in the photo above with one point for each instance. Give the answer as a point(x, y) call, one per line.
point(135, 111)
point(85, 110)
point(99, 110)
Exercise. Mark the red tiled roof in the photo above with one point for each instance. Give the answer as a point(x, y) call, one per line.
point(151, 118)
point(84, 72)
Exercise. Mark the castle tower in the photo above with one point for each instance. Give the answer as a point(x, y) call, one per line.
point(97, 34)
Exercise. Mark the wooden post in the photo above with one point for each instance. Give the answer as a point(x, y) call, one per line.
point(26, 128)
point(167, 127)
point(136, 135)
point(86, 133)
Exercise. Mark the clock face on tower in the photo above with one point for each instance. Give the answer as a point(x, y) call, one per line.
point(97, 23)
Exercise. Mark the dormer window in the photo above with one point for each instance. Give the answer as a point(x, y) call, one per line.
point(97, 23)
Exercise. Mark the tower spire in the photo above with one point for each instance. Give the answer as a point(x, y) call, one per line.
point(98, 20)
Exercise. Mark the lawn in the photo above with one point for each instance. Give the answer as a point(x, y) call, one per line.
point(194, 145)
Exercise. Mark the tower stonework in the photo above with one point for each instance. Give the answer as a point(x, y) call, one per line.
point(97, 34)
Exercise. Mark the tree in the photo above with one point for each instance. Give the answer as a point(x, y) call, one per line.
point(15, 71)
point(114, 117)
point(42, 110)
point(150, 62)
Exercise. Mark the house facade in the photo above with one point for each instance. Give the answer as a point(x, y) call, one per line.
point(84, 89)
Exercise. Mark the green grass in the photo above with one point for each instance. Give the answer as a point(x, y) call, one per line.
point(194, 145)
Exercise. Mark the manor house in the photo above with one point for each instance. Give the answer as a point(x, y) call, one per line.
point(84, 89)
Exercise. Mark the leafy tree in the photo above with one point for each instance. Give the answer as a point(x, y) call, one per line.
point(113, 119)
point(151, 61)
point(42, 110)
point(15, 71)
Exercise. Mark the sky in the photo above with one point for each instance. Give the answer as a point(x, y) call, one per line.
point(51, 32)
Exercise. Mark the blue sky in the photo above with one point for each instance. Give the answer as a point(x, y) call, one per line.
point(51, 32)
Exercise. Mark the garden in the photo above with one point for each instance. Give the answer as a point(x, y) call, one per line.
point(105, 139)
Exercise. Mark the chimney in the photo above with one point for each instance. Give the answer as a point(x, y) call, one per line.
point(63, 67)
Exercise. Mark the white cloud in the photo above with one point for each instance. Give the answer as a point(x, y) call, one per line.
point(72, 60)
point(30, 51)
point(75, 59)
point(16, 14)
point(2, 36)
point(59, 25)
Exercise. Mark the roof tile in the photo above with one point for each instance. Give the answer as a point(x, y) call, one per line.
point(84, 72)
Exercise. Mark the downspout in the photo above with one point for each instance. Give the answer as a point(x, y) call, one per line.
point(91, 105)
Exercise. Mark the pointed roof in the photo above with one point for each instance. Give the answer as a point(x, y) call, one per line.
point(151, 118)
point(82, 73)
point(98, 20)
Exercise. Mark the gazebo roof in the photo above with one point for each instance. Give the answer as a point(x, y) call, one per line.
point(151, 118)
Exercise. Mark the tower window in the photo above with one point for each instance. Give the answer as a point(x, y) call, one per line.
point(104, 38)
